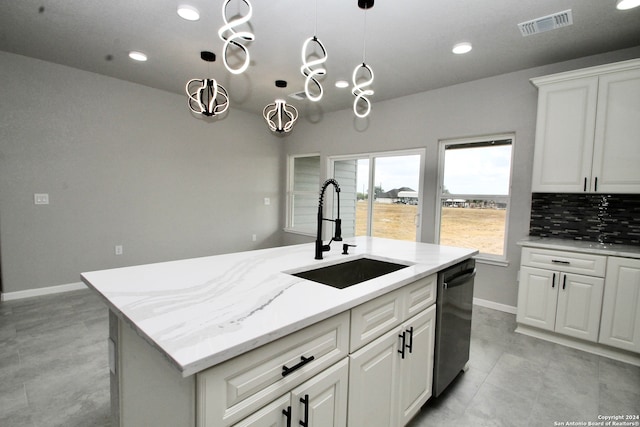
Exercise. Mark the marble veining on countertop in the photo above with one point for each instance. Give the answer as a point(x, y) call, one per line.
point(610, 249)
point(202, 311)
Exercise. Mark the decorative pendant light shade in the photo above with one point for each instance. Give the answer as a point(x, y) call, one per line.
point(310, 73)
point(361, 94)
point(231, 37)
point(206, 96)
point(307, 69)
point(280, 116)
point(358, 87)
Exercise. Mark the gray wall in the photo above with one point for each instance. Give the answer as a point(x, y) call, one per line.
point(123, 164)
point(505, 103)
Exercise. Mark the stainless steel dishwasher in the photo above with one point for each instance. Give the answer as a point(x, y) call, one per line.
point(453, 323)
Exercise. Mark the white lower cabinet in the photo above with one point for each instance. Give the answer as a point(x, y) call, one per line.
point(391, 378)
point(558, 299)
point(320, 402)
point(566, 303)
point(369, 366)
point(621, 305)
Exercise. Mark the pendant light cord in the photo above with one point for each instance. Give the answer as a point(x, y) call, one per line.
point(315, 29)
point(364, 37)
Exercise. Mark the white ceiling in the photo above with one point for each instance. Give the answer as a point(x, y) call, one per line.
point(408, 42)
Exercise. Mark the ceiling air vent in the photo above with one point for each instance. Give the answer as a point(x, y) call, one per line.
point(300, 96)
point(546, 23)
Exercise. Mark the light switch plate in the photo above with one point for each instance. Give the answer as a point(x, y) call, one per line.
point(41, 199)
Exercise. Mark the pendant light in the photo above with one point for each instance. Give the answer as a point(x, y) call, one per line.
point(280, 116)
point(307, 69)
point(362, 70)
point(232, 37)
point(206, 96)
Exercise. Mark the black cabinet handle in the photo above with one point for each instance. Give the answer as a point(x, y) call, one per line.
point(553, 281)
point(596, 185)
point(287, 413)
point(557, 261)
point(303, 361)
point(410, 345)
point(403, 343)
point(585, 183)
point(564, 282)
point(305, 401)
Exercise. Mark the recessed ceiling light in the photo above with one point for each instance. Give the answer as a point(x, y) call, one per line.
point(137, 56)
point(189, 13)
point(342, 84)
point(461, 48)
point(627, 4)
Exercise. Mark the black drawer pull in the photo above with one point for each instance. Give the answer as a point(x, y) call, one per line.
point(557, 261)
point(410, 345)
point(585, 183)
point(287, 413)
point(564, 282)
point(403, 338)
point(553, 281)
point(596, 185)
point(305, 401)
point(303, 361)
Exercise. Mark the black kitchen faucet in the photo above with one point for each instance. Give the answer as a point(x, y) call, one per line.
point(338, 233)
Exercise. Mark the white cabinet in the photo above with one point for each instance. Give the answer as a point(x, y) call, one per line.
point(321, 402)
point(391, 377)
point(621, 306)
point(588, 123)
point(237, 388)
point(556, 298)
point(317, 377)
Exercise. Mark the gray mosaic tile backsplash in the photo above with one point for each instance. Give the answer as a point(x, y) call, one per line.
point(605, 218)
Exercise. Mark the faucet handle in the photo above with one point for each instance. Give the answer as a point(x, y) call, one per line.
point(345, 248)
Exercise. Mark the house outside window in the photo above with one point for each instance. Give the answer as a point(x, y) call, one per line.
point(475, 193)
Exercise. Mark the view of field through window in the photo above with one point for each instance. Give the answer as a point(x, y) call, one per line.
point(475, 228)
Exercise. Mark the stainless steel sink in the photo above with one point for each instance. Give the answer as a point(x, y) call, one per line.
point(350, 273)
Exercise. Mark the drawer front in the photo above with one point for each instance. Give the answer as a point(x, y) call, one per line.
point(238, 387)
point(420, 295)
point(373, 318)
point(570, 262)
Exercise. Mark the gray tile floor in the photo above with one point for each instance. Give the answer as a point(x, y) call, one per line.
point(54, 372)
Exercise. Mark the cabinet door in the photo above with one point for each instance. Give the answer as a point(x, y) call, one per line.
point(322, 401)
point(373, 382)
point(616, 153)
point(579, 305)
point(537, 297)
point(271, 415)
point(416, 369)
point(620, 325)
point(564, 136)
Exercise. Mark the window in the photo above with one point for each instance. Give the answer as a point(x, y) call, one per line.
point(379, 193)
point(302, 193)
point(474, 192)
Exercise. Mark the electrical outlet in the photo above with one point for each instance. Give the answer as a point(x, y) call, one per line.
point(118, 249)
point(254, 237)
point(267, 201)
point(41, 199)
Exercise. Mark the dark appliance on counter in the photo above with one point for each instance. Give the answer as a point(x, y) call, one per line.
point(454, 305)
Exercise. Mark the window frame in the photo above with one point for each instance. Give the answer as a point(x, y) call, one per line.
point(291, 192)
point(371, 156)
point(500, 260)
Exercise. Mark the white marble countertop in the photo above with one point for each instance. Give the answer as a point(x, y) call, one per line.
point(202, 311)
point(610, 249)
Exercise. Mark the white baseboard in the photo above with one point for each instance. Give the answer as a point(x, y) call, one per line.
point(8, 296)
point(495, 305)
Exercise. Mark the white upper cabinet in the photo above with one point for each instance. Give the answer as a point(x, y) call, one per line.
point(588, 131)
point(616, 154)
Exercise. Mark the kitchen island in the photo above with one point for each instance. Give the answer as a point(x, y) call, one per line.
point(172, 323)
